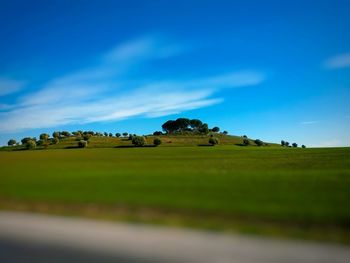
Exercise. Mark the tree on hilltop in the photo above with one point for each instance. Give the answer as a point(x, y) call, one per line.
point(11, 142)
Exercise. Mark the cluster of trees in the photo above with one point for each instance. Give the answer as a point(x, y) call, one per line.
point(287, 144)
point(183, 125)
point(258, 142)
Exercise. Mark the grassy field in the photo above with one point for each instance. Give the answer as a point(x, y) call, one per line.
point(303, 193)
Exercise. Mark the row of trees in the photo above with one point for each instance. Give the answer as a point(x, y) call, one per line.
point(287, 144)
point(66, 134)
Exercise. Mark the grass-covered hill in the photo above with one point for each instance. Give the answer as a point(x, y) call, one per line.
point(176, 140)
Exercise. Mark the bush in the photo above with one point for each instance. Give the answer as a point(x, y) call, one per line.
point(138, 141)
point(213, 141)
point(259, 142)
point(283, 143)
point(225, 132)
point(157, 133)
point(294, 144)
point(31, 144)
point(11, 142)
point(82, 144)
point(157, 141)
point(303, 146)
point(246, 142)
point(117, 135)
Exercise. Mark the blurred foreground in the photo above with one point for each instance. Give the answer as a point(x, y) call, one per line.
point(26, 237)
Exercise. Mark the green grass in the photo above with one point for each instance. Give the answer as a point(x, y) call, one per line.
point(302, 193)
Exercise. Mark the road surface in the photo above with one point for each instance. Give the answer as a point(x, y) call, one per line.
point(27, 237)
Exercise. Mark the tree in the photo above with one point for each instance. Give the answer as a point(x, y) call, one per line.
point(246, 142)
point(125, 134)
point(66, 133)
point(195, 124)
point(157, 141)
point(283, 143)
point(55, 140)
point(31, 144)
point(245, 136)
point(11, 142)
point(82, 144)
point(105, 134)
point(286, 144)
point(303, 146)
point(44, 136)
point(169, 126)
point(204, 129)
point(294, 144)
point(56, 134)
point(117, 135)
point(216, 129)
point(25, 140)
point(213, 141)
point(138, 141)
point(225, 132)
point(259, 142)
point(87, 137)
point(157, 133)
point(110, 134)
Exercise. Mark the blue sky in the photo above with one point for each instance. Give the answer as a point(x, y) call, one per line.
point(268, 69)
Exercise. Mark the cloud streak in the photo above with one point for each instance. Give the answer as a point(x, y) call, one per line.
point(309, 122)
point(337, 62)
point(105, 93)
point(9, 86)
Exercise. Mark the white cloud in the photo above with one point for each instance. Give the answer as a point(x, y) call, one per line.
point(105, 93)
point(309, 122)
point(339, 61)
point(9, 86)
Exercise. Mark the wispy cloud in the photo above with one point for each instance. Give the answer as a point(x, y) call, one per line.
point(9, 86)
point(338, 61)
point(105, 93)
point(309, 122)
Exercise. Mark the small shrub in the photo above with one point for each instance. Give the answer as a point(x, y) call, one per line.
point(157, 141)
point(213, 141)
point(138, 141)
point(82, 144)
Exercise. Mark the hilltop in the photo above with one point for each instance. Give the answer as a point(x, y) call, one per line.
point(179, 132)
